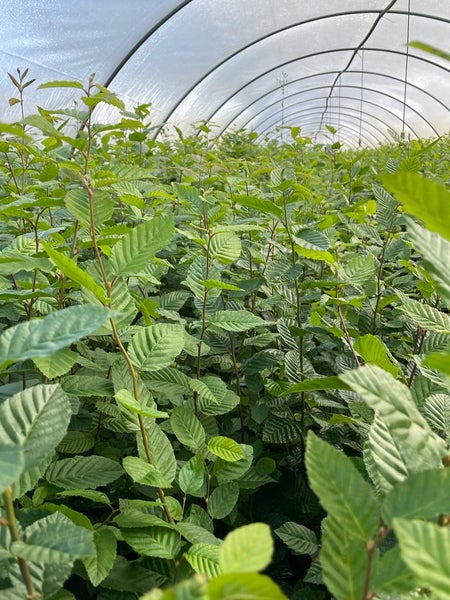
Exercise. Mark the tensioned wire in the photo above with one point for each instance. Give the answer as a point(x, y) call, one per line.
point(362, 93)
point(354, 54)
point(406, 67)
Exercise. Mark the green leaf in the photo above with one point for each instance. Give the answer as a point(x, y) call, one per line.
point(13, 295)
point(392, 575)
point(231, 471)
point(144, 473)
point(153, 541)
point(53, 577)
point(83, 472)
point(314, 254)
point(318, 383)
point(298, 538)
point(56, 364)
point(204, 559)
point(168, 381)
point(61, 84)
point(314, 573)
point(225, 247)
point(261, 205)
point(425, 548)
point(436, 252)
point(12, 462)
point(187, 427)
point(223, 402)
point(71, 270)
point(423, 495)
point(225, 448)
point(136, 518)
point(244, 586)
point(37, 420)
point(103, 96)
point(223, 499)
point(54, 539)
point(209, 388)
point(418, 446)
point(195, 534)
point(126, 399)
point(75, 516)
point(426, 316)
point(77, 202)
point(247, 549)
point(341, 489)
point(136, 249)
point(42, 123)
point(374, 351)
point(129, 577)
point(423, 198)
point(359, 269)
point(439, 361)
point(236, 320)
point(198, 272)
point(13, 261)
point(174, 300)
point(155, 347)
point(30, 477)
point(125, 306)
point(387, 456)
point(387, 207)
point(211, 284)
point(192, 475)
point(42, 337)
point(76, 442)
point(63, 594)
point(430, 49)
point(15, 130)
point(161, 450)
point(281, 429)
point(87, 385)
point(344, 561)
point(124, 171)
point(47, 579)
point(437, 413)
point(189, 589)
point(99, 565)
point(310, 238)
point(92, 495)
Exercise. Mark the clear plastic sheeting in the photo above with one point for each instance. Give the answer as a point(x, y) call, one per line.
point(256, 64)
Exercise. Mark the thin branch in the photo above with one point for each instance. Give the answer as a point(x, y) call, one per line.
point(15, 536)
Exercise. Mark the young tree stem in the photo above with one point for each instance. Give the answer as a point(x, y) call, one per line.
point(15, 536)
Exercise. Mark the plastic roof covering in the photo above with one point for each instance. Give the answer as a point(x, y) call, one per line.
point(256, 64)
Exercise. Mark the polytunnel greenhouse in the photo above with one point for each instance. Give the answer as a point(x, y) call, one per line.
point(224, 300)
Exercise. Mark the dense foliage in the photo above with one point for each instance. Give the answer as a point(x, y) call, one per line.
point(219, 358)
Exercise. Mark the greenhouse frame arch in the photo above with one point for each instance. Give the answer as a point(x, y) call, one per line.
point(228, 62)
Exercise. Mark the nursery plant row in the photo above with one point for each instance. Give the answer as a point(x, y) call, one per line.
point(225, 362)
